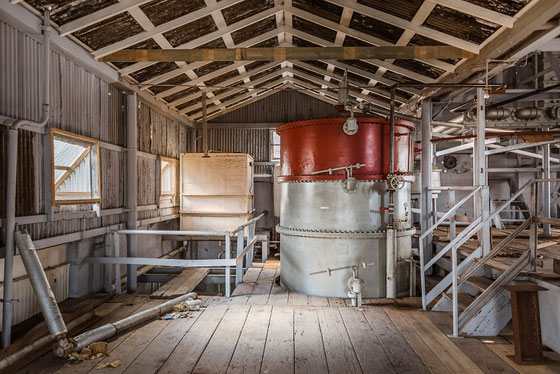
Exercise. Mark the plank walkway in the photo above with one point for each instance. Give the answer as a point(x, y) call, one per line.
point(181, 284)
point(264, 329)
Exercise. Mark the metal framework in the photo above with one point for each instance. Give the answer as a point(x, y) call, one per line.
point(242, 251)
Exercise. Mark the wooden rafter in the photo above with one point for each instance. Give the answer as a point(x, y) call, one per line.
point(287, 53)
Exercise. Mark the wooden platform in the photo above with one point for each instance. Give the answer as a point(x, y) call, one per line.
point(181, 284)
point(265, 329)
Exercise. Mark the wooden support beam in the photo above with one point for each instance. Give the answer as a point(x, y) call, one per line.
point(287, 53)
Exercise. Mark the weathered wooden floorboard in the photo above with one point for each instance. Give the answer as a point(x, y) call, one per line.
point(251, 275)
point(218, 352)
point(181, 284)
point(261, 291)
point(340, 354)
point(370, 352)
point(296, 298)
point(451, 356)
point(278, 355)
point(424, 352)
point(402, 356)
point(248, 354)
point(473, 348)
point(186, 354)
point(309, 350)
point(157, 352)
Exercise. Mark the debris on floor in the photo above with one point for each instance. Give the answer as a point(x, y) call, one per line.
point(181, 310)
point(91, 352)
point(112, 364)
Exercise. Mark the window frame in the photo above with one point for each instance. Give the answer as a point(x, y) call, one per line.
point(175, 162)
point(95, 143)
point(272, 146)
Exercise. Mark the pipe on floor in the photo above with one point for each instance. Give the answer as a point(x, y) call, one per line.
point(43, 291)
point(110, 329)
point(8, 361)
point(11, 187)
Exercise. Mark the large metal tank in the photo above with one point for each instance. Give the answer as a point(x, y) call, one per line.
point(326, 225)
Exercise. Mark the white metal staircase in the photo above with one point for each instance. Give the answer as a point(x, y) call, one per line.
point(490, 310)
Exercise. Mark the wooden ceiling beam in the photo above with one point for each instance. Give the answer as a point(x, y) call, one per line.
point(407, 25)
point(178, 22)
point(477, 11)
point(287, 53)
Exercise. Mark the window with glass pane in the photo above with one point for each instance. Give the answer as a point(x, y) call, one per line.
point(75, 168)
point(274, 146)
point(168, 174)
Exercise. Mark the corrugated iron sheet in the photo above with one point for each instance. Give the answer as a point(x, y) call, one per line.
point(28, 305)
point(284, 106)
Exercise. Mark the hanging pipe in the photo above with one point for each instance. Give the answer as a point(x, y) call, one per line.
point(43, 291)
point(110, 329)
point(11, 187)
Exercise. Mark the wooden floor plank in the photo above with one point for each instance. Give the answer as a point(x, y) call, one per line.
point(278, 355)
point(262, 288)
point(339, 351)
point(296, 298)
point(452, 357)
point(243, 289)
point(185, 283)
point(309, 351)
point(186, 354)
point(335, 301)
point(218, 352)
point(473, 348)
point(318, 301)
point(369, 351)
point(157, 352)
point(504, 350)
point(248, 353)
point(418, 345)
point(402, 356)
point(278, 295)
point(251, 275)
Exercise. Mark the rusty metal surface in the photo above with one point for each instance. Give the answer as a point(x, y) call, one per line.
point(321, 144)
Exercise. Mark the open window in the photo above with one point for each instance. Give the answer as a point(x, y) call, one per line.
point(274, 146)
point(168, 177)
point(75, 169)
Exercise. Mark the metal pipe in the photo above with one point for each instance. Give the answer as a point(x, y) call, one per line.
point(110, 329)
point(6, 362)
point(523, 96)
point(43, 291)
point(204, 125)
point(12, 178)
point(131, 188)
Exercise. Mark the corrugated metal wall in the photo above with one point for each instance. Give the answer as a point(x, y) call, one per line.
point(84, 104)
point(28, 305)
point(284, 106)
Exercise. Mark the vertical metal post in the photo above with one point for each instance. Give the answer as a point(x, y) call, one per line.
point(107, 273)
point(455, 292)
point(204, 125)
point(116, 251)
point(481, 175)
point(546, 187)
point(452, 225)
point(228, 268)
point(533, 233)
point(250, 237)
point(390, 268)
point(239, 267)
point(131, 187)
point(426, 167)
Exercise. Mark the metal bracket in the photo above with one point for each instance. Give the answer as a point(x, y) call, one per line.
point(350, 184)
